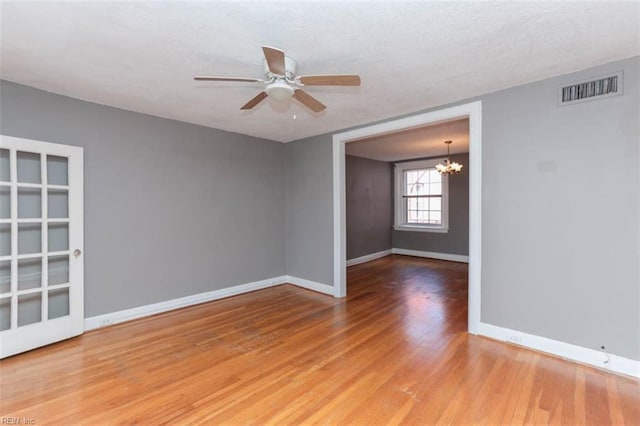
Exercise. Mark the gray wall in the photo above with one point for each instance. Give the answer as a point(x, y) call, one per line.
point(560, 206)
point(369, 207)
point(309, 228)
point(171, 209)
point(456, 241)
point(560, 211)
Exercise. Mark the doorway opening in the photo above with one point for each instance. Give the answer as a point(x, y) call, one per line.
point(471, 111)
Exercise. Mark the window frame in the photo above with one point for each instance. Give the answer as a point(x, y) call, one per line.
point(400, 211)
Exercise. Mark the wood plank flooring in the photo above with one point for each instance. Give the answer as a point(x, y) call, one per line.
point(395, 351)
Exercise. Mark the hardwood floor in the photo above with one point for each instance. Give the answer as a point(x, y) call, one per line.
point(395, 351)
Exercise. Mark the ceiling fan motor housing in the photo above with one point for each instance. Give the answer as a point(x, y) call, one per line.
point(290, 66)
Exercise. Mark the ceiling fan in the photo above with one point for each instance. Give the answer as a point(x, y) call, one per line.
point(283, 83)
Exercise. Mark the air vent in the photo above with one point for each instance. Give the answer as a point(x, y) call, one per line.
point(599, 88)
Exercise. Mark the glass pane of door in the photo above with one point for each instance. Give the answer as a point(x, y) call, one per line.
point(5, 239)
point(29, 273)
point(58, 237)
point(28, 167)
point(29, 238)
point(58, 204)
point(57, 170)
point(5, 202)
point(29, 203)
point(58, 303)
point(29, 309)
point(5, 313)
point(5, 174)
point(58, 270)
point(5, 276)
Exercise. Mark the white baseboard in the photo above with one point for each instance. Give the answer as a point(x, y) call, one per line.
point(169, 305)
point(105, 320)
point(310, 285)
point(432, 255)
point(580, 354)
point(368, 257)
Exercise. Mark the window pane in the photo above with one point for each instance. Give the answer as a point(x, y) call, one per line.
point(412, 189)
point(434, 176)
point(435, 204)
point(410, 177)
point(422, 176)
point(435, 188)
point(423, 189)
point(435, 217)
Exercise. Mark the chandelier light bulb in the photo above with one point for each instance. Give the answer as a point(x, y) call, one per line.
point(448, 168)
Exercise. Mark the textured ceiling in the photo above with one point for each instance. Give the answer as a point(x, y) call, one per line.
point(141, 56)
point(421, 142)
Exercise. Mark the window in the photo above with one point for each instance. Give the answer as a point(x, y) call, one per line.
point(421, 197)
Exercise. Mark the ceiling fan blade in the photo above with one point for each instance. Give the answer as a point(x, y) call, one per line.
point(275, 59)
point(330, 80)
point(309, 101)
point(212, 78)
point(255, 101)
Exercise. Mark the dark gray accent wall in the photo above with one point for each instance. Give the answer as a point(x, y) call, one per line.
point(369, 208)
point(560, 212)
point(456, 241)
point(171, 209)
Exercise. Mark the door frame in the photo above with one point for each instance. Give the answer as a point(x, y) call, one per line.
point(472, 111)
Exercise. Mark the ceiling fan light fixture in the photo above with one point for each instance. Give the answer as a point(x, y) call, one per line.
point(283, 82)
point(279, 90)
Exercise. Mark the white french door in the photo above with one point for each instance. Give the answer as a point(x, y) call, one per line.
point(41, 244)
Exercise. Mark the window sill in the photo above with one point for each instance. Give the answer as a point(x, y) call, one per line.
point(416, 228)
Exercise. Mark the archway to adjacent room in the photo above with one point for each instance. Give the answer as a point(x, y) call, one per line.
point(472, 111)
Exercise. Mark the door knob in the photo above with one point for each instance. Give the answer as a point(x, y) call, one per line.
point(77, 252)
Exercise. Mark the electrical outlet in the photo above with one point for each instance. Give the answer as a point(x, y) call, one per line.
point(514, 338)
point(106, 322)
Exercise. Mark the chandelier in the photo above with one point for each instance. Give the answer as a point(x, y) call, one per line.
point(448, 168)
